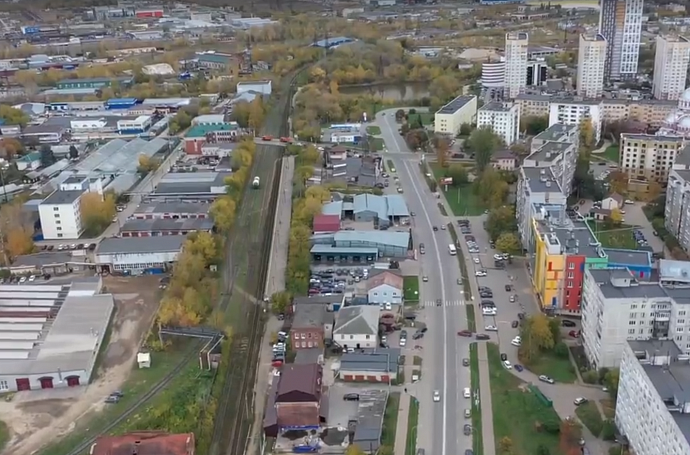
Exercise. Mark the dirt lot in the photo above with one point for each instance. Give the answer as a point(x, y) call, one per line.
point(36, 418)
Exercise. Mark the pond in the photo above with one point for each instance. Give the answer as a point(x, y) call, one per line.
point(398, 92)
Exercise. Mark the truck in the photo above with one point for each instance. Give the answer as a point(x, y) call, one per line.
point(256, 182)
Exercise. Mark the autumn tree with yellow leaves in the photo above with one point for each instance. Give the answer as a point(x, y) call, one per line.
point(16, 228)
point(224, 209)
point(97, 212)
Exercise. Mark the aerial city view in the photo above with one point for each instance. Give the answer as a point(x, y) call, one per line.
point(380, 227)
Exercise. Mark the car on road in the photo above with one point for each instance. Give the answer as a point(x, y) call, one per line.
point(468, 413)
point(470, 238)
point(508, 287)
point(439, 302)
point(507, 365)
point(567, 323)
point(465, 333)
point(548, 380)
point(466, 392)
point(521, 315)
point(469, 452)
point(512, 299)
point(518, 368)
point(32, 278)
point(22, 279)
point(491, 328)
point(459, 281)
point(514, 324)
point(465, 362)
point(417, 335)
point(435, 228)
point(437, 396)
point(579, 400)
point(504, 356)
point(443, 227)
point(498, 257)
point(467, 429)
point(112, 399)
point(480, 273)
point(351, 397)
point(517, 341)
point(489, 311)
point(402, 342)
point(425, 278)
point(482, 336)
point(476, 260)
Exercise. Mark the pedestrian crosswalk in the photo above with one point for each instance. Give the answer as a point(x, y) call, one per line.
point(434, 303)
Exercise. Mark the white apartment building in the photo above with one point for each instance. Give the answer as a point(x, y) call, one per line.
point(560, 158)
point(670, 67)
point(60, 213)
point(653, 403)
point(620, 22)
point(502, 118)
point(575, 111)
point(616, 307)
point(516, 63)
point(494, 75)
point(677, 209)
point(649, 157)
point(591, 64)
point(536, 187)
point(453, 115)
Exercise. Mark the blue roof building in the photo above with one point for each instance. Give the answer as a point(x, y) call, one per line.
point(120, 103)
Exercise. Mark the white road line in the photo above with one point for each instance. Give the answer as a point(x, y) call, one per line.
point(445, 311)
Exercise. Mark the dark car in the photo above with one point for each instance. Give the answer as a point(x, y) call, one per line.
point(117, 393)
point(469, 452)
point(514, 324)
point(567, 323)
point(351, 397)
point(504, 357)
point(508, 287)
point(482, 336)
point(418, 335)
point(112, 399)
point(467, 429)
point(439, 302)
point(521, 315)
point(435, 228)
point(465, 333)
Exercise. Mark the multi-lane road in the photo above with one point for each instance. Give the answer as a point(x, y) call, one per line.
point(440, 423)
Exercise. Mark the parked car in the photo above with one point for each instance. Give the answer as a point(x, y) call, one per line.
point(546, 379)
point(465, 362)
point(514, 324)
point(351, 397)
point(467, 429)
point(567, 323)
point(465, 333)
point(482, 336)
point(579, 400)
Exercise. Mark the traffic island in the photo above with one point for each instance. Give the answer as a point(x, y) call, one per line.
point(476, 407)
point(412, 424)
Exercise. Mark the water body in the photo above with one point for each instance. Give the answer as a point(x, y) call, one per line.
point(398, 92)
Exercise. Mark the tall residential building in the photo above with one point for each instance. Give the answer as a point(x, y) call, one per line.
point(670, 67)
point(620, 22)
point(573, 112)
point(502, 118)
point(653, 403)
point(677, 210)
point(516, 63)
point(494, 75)
point(648, 157)
point(591, 63)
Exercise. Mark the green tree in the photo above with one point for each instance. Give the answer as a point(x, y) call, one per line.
point(13, 116)
point(458, 173)
point(608, 430)
point(491, 188)
point(399, 115)
point(223, 212)
point(47, 156)
point(587, 138)
point(508, 242)
point(536, 337)
point(280, 301)
point(611, 381)
point(534, 125)
point(483, 142)
point(499, 221)
point(465, 129)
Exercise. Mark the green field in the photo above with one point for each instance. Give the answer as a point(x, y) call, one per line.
point(620, 237)
point(427, 118)
point(559, 369)
point(461, 199)
point(611, 153)
point(477, 441)
point(4, 435)
point(373, 130)
point(412, 424)
point(471, 320)
point(390, 420)
point(589, 415)
point(517, 412)
point(411, 289)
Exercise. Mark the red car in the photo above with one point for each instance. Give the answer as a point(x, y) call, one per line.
point(465, 333)
point(574, 334)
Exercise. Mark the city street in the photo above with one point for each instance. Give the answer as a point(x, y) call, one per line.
point(439, 428)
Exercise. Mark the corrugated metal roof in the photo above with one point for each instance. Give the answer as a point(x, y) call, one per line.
point(329, 249)
point(372, 238)
point(162, 244)
point(333, 208)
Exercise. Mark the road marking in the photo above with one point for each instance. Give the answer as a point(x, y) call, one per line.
point(445, 313)
point(432, 303)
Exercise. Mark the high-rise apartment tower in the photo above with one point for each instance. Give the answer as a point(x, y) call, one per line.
point(516, 63)
point(620, 22)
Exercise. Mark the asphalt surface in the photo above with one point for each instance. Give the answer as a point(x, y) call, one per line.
point(439, 429)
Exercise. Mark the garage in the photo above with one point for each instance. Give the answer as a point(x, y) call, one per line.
point(72, 381)
point(23, 384)
point(46, 382)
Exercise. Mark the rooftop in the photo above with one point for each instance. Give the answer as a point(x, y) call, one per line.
point(119, 156)
point(43, 259)
point(144, 443)
point(203, 130)
point(575, 237)
point(628, 257)
point(651, 138)
point(550, 151)
point(302, 378)
point(541, 180)
point(456, 104)
point(157, 244)
point(372, 238)
point(357, 320)
point(556, 132)
point(392, 205)
point(593, 37)
point(670, 270)
point(93, 80)
point(516, 36)
point(330, 249)
point(371, 409)
point(173, 208)
point(621, 284)
point(497, 107)
point(378, 360)
point(62, 197)
point(307, 316)
point(161, 224)
point(191, 182)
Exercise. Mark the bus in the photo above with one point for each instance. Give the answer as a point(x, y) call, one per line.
point(452, 250)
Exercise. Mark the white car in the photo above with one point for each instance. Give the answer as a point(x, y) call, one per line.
point(498, 257)
point(425, 278)
point(403, 342)
point(389, 306)
point(517, 341)
point(476, 260)
point(32, 278)
point(579, 400)
point(22, 279)
point(443, 227)
point(489, 311)
point(468, 413)
point(546, 379)
point(480, 273)
point(466, 392)
point(507, 365)
point(491, 328)
point(437, 396)
point(628, 201)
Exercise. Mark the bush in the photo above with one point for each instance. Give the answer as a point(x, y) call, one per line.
point(608, 430)
point(590, 377)
point(561, 350)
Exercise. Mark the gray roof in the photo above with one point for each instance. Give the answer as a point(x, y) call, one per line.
point(632, 289)
point(62, 197)
point(371, 410)
point(374, 360)
point(190, 182)
point(307, 356)
point(307, 316)
point(670, 270)
point(683, 156)
point(357, 320)
point(372, 239)
point(173, 208)
point(333, 208)
point(628, 257)
point(456, 104)
point(574, 236)
point(384, 206)
point(536, 185)
point(43, 259)
point(160, 224)
point(158, 244)
point(336, 299)
point(119, 156)
point(496, 106)
point(550, 150)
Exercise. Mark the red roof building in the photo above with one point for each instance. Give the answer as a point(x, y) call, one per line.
point(326, 224)
point(145, 443)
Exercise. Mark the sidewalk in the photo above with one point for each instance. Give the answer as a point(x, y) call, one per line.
point(403, 409)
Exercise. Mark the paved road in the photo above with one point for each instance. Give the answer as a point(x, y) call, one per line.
point(439, 430)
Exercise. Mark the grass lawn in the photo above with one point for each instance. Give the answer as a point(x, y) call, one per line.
point(461, 199)
point(427, 118)
point(411, 289)
point(4, 435)
point(378, 143)
point(517, 411)
point(613, 238)
point(373, 130)
point(477, 441)
point(609, 408)
point(612, 153)
point(589, 415)
point(560, 369)
point(442, 209)
point(390, 420)
point(139, 382)
point(412, 420)
point(471, 321)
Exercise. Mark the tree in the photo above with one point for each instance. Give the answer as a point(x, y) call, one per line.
point(619, 182)
point(491, 188)
point(256, 114)
point(608, 430)
point(223, 212)
point(280, 301)
point(47, 156)
point(146, 164)
point(465, 129)
point(508, 243)
point(16, 226)
point(505, 446)
point(587, 139)
point(611, 382)
point(534, 125)
point(240, 113)
point(442, 153)
point(399, 115)
point(10, 148)
point(483, 142)
point(458, 173)
point(13, 116)
point(73, 152)
point(616, 218)
point(499, 221)
point(543, 450)
point(536, 337)
point(97, 212)
point(354, 449)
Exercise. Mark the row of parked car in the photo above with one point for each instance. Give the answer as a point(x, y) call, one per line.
point(279, 349)
point(67, 247)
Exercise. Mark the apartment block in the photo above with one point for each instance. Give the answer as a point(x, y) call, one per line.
point(645, 157)
point(537, 187)
point(502, 118)
point(670, 67)
point(677, 209)
point(591, 64)
point(653, 403)
point(560, 158)
point(620, 22)
point(575, 111)
point(461, 110)
point(516, 63)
